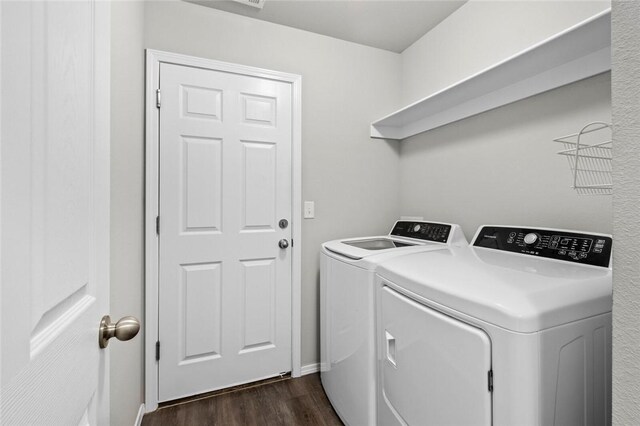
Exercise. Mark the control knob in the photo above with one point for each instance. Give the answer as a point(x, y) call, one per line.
point(531, 238)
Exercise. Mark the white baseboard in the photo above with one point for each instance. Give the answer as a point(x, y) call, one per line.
point(139, 417)
point(309, 369)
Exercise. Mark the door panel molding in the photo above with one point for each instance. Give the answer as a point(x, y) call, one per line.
point(258, 112)
point(55, 217)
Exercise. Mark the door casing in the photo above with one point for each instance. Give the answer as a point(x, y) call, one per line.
point(153, 60)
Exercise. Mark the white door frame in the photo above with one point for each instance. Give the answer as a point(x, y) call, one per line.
point(153, 60)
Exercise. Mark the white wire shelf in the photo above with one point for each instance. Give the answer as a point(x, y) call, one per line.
point(589, 155)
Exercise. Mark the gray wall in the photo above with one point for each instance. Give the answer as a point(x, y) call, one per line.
point(500, 166)
point(354, 180)
point(482, 33)
point(626, 203)
point(345, 86)
point(127, 209)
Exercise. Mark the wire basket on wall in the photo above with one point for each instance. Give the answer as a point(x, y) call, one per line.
point(589, 154)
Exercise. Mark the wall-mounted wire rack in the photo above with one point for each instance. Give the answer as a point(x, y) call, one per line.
point(589, 154)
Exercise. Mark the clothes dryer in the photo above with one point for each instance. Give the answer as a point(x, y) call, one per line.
point(347, 306)
point(514, 330)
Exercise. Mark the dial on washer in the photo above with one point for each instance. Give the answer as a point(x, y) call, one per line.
point(530, 238)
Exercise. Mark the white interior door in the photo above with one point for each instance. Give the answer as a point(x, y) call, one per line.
point(225, 183)
point(55, 211)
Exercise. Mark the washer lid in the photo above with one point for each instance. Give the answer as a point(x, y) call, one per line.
point(519, 293)
point(359, 248)
point(405, 234)
point(377, 243)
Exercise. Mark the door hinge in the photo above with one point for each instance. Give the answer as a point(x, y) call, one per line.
point(158, 351)
point(158, 225)
point(158, 98)
point(490, 377)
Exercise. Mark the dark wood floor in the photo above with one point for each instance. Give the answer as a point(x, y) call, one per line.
point(300, 401)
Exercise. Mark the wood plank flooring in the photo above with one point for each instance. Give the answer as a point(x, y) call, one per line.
point(300, 401)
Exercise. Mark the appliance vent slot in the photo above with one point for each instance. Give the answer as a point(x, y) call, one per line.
point(258, 4)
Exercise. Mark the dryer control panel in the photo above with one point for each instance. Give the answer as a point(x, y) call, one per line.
point(438, 232)
point(554, 244)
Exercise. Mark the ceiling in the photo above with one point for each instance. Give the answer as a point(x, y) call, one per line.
point(390, 25)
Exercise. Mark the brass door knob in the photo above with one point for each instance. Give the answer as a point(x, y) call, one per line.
point(283, 243)
point(125, 329)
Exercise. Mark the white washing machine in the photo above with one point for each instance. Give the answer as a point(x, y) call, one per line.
point(347, 299)
point(516, 330)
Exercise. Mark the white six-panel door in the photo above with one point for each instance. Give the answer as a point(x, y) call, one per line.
point(225, 183)
point(55, 212)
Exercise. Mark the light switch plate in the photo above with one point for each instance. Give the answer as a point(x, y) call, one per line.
point(309, 210)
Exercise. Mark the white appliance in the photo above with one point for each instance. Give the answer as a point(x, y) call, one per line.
point(347, 279)
point(515, 330)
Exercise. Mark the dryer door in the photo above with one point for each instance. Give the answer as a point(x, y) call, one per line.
point(434, 368)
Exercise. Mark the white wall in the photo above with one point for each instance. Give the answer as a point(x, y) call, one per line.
point(626, 203)
point(354, 180)
point(127, 195)
point(345, 86)
point(480, 34)
point(500, 166)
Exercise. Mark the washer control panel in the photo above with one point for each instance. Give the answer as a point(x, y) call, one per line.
point(438, 232)
point(554, 244)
